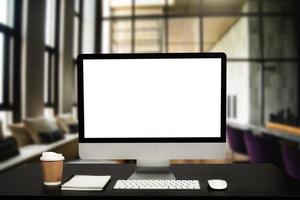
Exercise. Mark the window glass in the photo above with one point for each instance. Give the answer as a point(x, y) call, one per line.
point(52, 81)
point(50, 23)
point(49, 69)
point(5, 118)
point(231, 26)
point(106, 36)
point(11, 69)
point(121, 36)
point(76, 6)
point(279, 5)
point(183, 35)
point(49, 112)
point(229, 6)
point(116, 8)
point(6, 12)
point(75, 85)
point(75, 37)
point(1, 66)
point(220, 32)
point(51, 55)
point(149, 36)
point(183, 7)
point(75, 112)
point(149, 7)
point(280, 92)
point(238, 90)
point(279, 37)
point(187, 7)
point(46, 76)
point(232, 35)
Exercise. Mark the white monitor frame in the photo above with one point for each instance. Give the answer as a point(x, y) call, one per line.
point(154, 150)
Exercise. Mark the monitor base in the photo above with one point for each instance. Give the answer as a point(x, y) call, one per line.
point(152, 170)
point(152, 173)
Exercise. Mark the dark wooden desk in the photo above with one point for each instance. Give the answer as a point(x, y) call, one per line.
point(243, 180)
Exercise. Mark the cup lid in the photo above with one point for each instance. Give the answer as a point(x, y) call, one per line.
point(51, 156)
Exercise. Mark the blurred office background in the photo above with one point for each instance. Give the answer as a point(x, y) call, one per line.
point(40, 40)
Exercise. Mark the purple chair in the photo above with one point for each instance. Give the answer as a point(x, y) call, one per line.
point(291, 160)
point(235, 138)
point(263, 149)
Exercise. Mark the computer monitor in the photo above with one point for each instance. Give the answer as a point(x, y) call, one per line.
point(152, 107)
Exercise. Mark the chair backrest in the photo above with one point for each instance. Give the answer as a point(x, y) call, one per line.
point(263, 149)
point(291, 160)
point(236, 141)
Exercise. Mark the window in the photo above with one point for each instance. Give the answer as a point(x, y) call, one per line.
point(77, 34)
point(121, 39)
point(51, 56)
point(7, 37)
point(6, 12)
point(50, 22)
point(252, 33)
point(143, 26)
point(77, 42)
point(1, 65)
point(149, 36)
point(183, 35)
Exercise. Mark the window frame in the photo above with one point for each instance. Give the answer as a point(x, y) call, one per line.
point(79, 16)
point(52, 87)
point(261, 13)
point(11, 87)
point(8, 35)
point(11, 63)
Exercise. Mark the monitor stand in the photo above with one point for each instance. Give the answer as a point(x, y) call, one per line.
point(152, 170)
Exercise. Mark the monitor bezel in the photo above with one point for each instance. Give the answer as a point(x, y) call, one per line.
point(80, 97)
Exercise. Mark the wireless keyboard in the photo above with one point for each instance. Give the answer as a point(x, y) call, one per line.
point(157, 185)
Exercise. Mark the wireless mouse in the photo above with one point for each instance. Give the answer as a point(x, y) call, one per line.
point(217, 184)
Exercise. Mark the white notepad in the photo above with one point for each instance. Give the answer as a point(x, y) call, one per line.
point(86, 182)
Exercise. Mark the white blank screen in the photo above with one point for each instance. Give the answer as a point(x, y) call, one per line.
point(146, 98)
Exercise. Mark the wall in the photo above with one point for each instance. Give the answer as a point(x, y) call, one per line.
point(280, 78)
point(280, 88)
point(66, 58)
point(235, 43)
point(244, 78)
point(34, 59)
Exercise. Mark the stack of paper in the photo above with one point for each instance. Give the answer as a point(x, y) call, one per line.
point(84, 182)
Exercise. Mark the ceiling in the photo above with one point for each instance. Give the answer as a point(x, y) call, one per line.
point(213, 27)
point(208, 6)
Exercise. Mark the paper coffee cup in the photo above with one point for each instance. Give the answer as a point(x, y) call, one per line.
point(52, 167)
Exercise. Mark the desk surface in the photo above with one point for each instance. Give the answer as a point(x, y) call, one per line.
point(243, 180)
